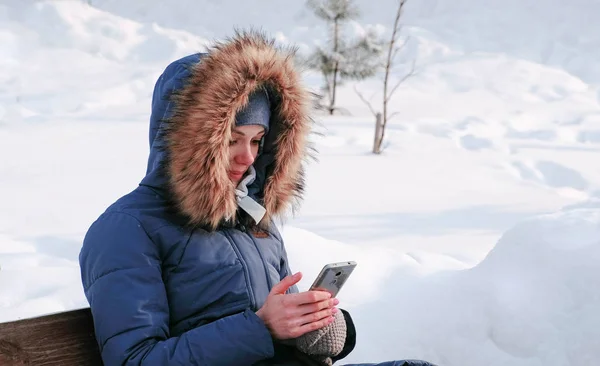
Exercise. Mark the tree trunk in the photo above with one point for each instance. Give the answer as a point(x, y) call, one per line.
point(388, 66)
point(378, 134)
point(336, 67)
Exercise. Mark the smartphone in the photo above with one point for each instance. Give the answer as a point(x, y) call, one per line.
point(332, 277)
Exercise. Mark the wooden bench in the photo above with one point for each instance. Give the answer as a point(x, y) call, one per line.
point(65, 339)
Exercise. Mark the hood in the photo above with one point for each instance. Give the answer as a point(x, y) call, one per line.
point(194, 105)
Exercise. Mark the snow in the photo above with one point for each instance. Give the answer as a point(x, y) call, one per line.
point(531, 301)
point(477, 232)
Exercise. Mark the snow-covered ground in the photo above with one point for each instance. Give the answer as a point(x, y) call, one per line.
point(477, 232)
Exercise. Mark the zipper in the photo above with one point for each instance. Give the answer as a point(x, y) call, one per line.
point(245, 268)
point(262, 259)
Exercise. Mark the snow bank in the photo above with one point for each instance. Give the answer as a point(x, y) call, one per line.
point(68, 60)
point(39, 277)
point(550, 32)
point(308, 253)
point(532, 302)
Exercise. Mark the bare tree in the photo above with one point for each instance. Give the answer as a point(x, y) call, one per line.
point(381, 119)
point(342, 59)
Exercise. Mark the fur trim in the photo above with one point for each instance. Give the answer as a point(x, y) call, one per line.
point(199, 130)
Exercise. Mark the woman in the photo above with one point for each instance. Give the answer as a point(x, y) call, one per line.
point(188, 268)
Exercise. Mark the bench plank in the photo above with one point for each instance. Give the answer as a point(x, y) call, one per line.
point(58, 339)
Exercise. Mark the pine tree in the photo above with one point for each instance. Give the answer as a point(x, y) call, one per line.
point(343, 58)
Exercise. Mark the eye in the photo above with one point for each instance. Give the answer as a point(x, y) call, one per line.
point(256, 142)
point(232, 142)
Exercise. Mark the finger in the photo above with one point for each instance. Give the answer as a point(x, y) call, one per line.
point(317, 316)
point(310, 327)
point(308, 297)
point(286, 283)
point(321, 305)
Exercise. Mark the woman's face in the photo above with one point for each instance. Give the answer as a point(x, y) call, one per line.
point(243, 148)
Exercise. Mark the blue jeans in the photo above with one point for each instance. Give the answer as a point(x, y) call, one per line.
point(397, 363)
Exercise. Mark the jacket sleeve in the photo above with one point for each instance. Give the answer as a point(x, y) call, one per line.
point(122, 280)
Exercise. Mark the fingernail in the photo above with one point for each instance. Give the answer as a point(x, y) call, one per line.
point(336, 302)
point(334, 310)
point(297, 275)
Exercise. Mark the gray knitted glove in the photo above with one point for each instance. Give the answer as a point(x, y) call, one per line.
point(324, 343)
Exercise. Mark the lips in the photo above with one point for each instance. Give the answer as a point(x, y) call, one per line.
point(235, 174)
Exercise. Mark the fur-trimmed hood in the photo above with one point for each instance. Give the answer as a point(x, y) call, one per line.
point(194, 105)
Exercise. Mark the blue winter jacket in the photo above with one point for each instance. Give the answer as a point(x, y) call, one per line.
point(174, 271)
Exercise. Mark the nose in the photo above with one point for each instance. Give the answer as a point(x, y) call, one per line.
point(245, 157)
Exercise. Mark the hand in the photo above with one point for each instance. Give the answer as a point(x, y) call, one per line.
point(289, 316)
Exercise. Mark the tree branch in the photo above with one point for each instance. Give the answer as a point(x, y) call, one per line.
point(365, 101)
point(403, 79)
point(399, 48)
point(396, 50)
point(393, 115)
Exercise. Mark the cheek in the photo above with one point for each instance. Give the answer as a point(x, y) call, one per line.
point(255, 151)
point(232, 153)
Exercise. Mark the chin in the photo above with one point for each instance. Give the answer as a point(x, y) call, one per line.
point(235, 180)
